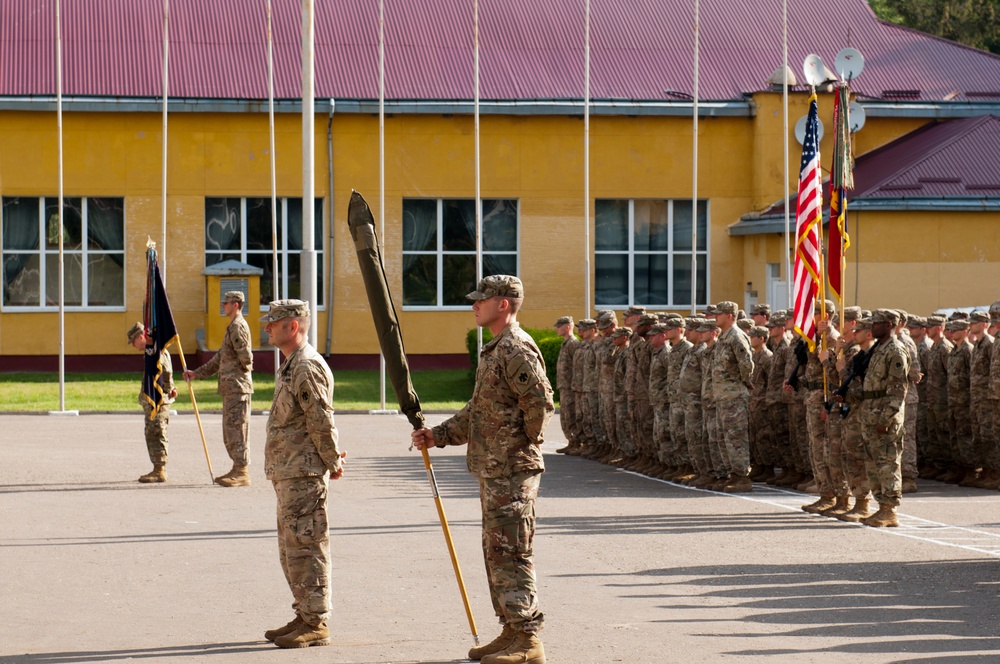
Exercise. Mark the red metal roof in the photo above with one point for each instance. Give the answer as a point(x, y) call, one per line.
point(530, 49)
point(957, 159)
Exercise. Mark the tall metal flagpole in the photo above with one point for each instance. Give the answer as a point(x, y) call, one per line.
point(475, 121)
point(163, 166)
point(586, 160)
point(308, 158)
point(381, 174)
point(275, 293)
point(62, 293)
point(694, 171)
point(784, 138)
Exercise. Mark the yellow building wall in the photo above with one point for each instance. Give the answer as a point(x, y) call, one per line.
point(535, 159)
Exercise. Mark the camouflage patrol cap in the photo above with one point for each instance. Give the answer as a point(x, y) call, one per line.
point(563, 320)
point(606, 319)
point(675, 323)
point(890, 316)
point(902, 314)
point(957, 325)
point(979, 317)
point(586, 324)
point(234, 296)
point(915, 322)
point(760, 310)
point(710, 310)
point(758, 331)
point(995, 307)
point(830, 306)
point(727, 307)
point(959, 315)
point(657, 328)
point(634, 310)
point(647, 319)
point(497, 285)
point(775, 321)
point(692, 322)
point(621, 332)
point(934, 320)
point(280, 309)
point(665, 317)
point(744, 324)
point(852, 313)
point(707, 326)
point(134, 332)
point(863, 324)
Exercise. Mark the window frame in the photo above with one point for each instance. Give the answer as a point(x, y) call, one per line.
point(283, 251)
point(440, 253)
point(42, 252)
point(631, 252)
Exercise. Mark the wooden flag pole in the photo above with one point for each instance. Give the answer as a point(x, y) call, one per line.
point(451, 545)
point(197, 416)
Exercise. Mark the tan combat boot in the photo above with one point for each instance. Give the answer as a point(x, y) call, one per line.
point(824, 503)
point(885, 517)
point(305, 635)
point(857, 513)
point(524, 649)
point(238, 476)
point(842, 506)
point(158, 474)
point(272, 634)
point(738, 484)
point(496, 645)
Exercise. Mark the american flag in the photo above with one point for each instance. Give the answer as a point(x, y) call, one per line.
point(808, 222)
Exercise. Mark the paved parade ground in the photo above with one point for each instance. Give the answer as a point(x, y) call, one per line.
point(98, 568)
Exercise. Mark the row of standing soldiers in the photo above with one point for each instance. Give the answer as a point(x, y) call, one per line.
point(719, 400)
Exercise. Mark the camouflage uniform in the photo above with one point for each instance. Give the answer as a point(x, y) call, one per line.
point(678, 433)
point(852, 429)
point(623, 433)
point(591, 389)
point(659, 399)
point(155, 428)
point(718, 465)
point(959, 404)
point(234, 364)
point(584, 431)
point(301, 448)
point(798, 433)
point(884, 404)
point(826, 453)
point(694, 429)
point(604, 355)
point(923, 433)
point(982, 406)
point(938, 447)
point(643, 407)
point(761, 449)
point(503, 424)
point(732, 367)
point(912, 406)
point(777, 410)
point(564, 382)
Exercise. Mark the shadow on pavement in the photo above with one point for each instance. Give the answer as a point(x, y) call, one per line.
point(877, 608)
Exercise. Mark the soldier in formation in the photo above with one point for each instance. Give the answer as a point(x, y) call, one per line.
point(719, 400)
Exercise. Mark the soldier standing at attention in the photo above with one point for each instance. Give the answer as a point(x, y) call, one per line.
point(503, 425)
point(732, 368)
point(960, 402)
point(584, 431)
point(982, 409)
point(761, 448)
point(301, 449)
point(938, 438)
point(564, 380)
point(234, 364)
point(156, 427)
point(882, 412)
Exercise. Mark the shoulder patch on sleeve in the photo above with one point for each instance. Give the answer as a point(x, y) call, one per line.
point(521, 375)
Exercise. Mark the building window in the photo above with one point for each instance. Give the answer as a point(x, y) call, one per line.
point(240, 229)
point(439, 248)
point(93, 253)
point(643, 253)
